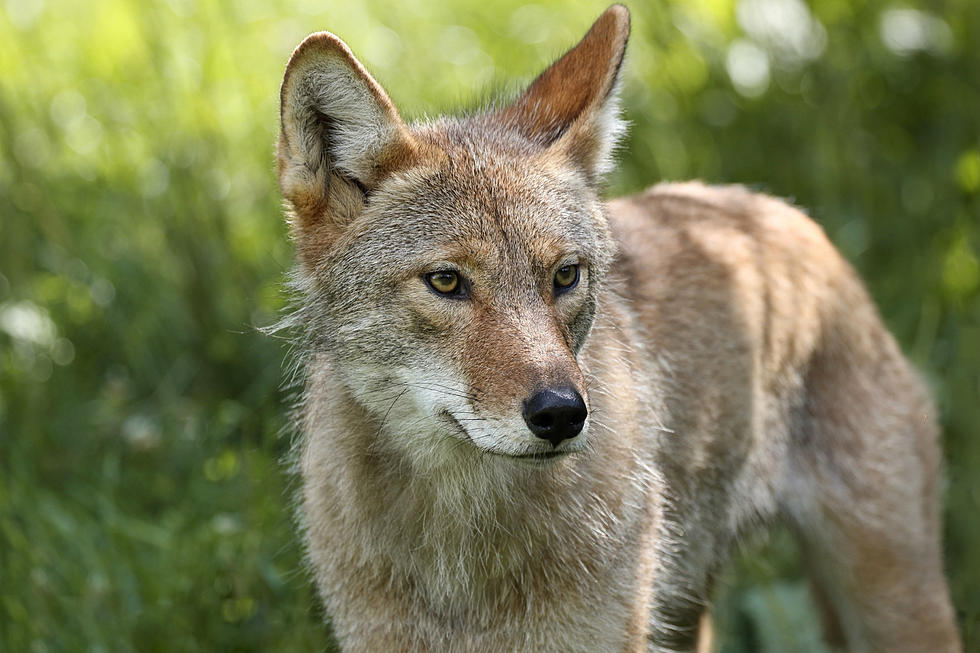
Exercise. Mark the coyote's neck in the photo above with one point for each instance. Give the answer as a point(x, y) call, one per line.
point(474, 528)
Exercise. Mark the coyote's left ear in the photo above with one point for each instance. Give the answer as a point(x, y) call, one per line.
point(573, 105)
point(341, 136)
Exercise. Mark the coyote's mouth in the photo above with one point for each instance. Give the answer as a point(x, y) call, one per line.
point(541, 459)
point(534, 458)
point(541, 456)
point(455, 422)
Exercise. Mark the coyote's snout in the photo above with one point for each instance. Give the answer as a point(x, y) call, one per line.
point(535, 421)
point(555, 414)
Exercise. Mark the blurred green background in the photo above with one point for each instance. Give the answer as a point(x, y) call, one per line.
point(143, 503)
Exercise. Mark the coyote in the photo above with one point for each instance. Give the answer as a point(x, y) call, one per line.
point(532, 420)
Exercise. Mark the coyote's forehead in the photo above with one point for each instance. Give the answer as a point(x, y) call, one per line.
point(474, 199)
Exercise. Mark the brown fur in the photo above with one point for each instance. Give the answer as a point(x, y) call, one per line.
point(734, 369)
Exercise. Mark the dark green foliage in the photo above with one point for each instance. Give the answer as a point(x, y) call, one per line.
point(144, 504)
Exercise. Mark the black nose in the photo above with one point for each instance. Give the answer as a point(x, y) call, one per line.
point(555, 414)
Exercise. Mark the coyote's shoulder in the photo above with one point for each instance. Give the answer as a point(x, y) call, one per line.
point(736, 258)
point(536, 421)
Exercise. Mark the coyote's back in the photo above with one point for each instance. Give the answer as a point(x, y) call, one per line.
point(535, 421)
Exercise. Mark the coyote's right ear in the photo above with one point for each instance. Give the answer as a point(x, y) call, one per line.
point(573, 106)
point(340, 136)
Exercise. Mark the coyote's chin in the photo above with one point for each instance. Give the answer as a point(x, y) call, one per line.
point(532, 420)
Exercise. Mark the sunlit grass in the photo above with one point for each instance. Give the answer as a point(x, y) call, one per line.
point(143, 502)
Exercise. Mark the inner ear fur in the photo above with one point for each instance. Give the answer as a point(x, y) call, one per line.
point(340, 135)
point(573, 105)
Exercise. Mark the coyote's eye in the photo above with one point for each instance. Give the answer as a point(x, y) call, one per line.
point(565, 278)
point(445, 282)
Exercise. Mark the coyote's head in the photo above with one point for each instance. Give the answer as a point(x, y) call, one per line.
point(453, 266)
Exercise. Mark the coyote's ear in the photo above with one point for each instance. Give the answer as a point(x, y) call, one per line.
point(340, 136)
point(573, 104)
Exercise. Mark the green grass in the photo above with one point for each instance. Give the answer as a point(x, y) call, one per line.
point(143, 502)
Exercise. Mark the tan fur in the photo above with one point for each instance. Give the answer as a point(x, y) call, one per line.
point(734, 368)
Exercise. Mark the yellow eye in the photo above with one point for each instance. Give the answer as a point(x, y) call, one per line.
point(445, 282)
point(566, 277)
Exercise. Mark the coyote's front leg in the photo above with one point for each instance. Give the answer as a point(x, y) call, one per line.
point(690, 552)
